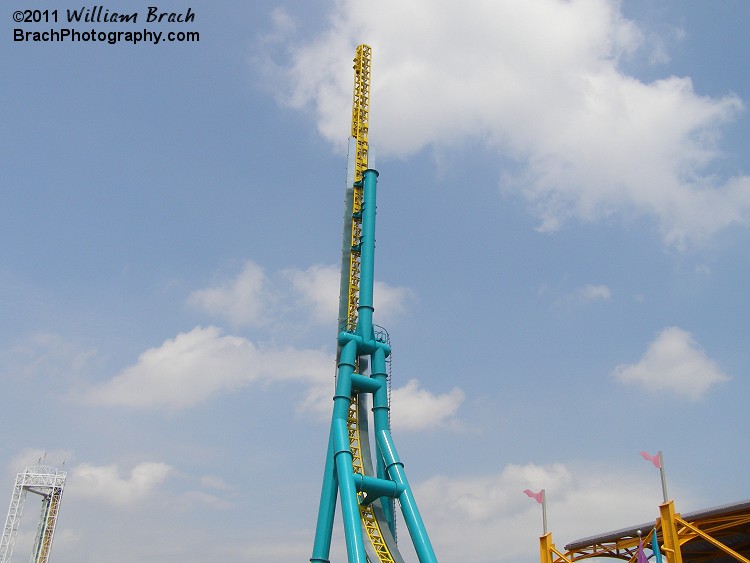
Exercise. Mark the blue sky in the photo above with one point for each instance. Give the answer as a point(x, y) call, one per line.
point(561, 263)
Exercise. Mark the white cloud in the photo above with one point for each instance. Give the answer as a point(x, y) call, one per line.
point(215, 482)
point(202, 363)
point(595, 293)
point(541, 82)
point(500, 520)
point(390, 302)
point(416, 408)
point(244, 300)
point(318, 287)
point(206, 499)
point(255, 298)
point(105, 484)
point(673, 363)
point(197, 365)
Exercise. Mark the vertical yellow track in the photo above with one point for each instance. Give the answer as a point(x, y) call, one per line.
point(45, 543)
point(360, 131)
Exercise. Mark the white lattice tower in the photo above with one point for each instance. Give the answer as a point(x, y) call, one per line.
point(48, 482)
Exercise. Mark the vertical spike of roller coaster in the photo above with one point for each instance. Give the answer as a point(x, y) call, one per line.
point(366, 495)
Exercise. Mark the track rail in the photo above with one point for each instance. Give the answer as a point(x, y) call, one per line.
point(360, 134)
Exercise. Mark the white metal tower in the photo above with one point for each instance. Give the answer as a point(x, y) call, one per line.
point(47, 482)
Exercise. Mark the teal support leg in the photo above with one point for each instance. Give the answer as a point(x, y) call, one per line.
point(381, 418)
point(367, 255)
point(342, 455)
point(355, 546)
point(413, 519)
point(339, 475)
point(327, 509)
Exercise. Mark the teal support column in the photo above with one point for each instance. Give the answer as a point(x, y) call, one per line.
point(367, 254)
point(413, 519)
point(326, 510)
point(380, 406)
point(340, 481)
point(381, 417)
point(342, 455)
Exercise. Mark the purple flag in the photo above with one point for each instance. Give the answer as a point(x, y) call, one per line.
point(641, 558)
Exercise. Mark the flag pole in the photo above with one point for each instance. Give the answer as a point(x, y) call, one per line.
point(663, 477)
point(544, 511)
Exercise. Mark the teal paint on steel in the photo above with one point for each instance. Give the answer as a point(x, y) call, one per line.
point(365, 384)
point(395, 469)
point(355, 546)
point(376, 488)
point(381, 417)
point(339, 479)
point(367, 255)
point(327, 509)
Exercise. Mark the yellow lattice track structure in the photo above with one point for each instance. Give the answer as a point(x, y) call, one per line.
point(360, 129)
point(45, 541)
point(366, 513)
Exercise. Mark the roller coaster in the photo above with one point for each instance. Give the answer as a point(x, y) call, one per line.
point(48, 483)
point(367, 486)
point(368, 483)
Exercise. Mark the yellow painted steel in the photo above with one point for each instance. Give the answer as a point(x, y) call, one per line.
point(684, 531)
point(669, 533)
point(45, 543)
point(360, 133)
point(675, 531)
point(548, 553)
point(366, 513)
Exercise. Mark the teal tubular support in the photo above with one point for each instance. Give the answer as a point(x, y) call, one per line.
point(355, 546)
point(351, 438)
point(380, 406)
point(342, 455)
point(327, 509)
point(413, 519)
point(363, 346)
point(366, 384)
point(381, 419)
point(376, 488)
point(367, 255)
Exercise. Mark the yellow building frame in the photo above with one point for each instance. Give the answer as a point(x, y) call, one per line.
point(708, 531)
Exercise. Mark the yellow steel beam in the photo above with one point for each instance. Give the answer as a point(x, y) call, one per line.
point(669, 532)
point(548, 553)
point(685, 537)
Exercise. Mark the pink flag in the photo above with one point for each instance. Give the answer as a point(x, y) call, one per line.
point(539, 497)
point(652, 458)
